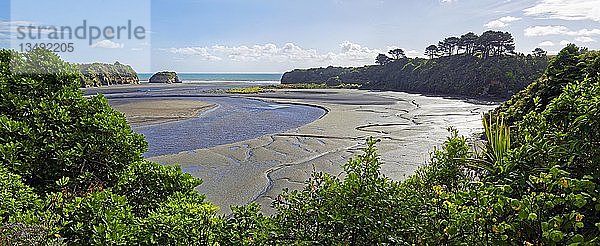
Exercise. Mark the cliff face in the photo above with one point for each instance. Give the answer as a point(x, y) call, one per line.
point(101, 74)
point(460, 75)
point(165, 77)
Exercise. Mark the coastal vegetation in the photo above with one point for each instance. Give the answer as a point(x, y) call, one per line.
point(472, 66)
point(72, 172)
point(313, 86)
point(247, 90)
point(271, 88)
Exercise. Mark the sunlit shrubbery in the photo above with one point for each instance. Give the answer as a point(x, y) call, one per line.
point(314, 86)
point(271, 88)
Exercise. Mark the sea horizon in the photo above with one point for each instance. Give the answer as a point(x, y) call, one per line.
point(222, 77)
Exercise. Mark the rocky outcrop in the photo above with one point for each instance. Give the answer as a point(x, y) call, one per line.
point(102, 74)
point(165, 77)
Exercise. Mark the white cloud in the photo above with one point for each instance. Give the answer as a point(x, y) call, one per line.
point(546, 43)
point(356, 52)
point(502, 22)
point(448, 1)
point(201, 52)
point(558, 30)
point(565, 42)
point(11, 26)
point(585, 39)
point(349, 53)
point(8, 29)
point(265, 52)
point(107, 44)
point(566, 9)
point(495, 24)
point(508, 19)
point(414, 53)
point(545, 30)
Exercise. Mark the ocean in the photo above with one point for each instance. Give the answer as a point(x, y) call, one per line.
point(222, 77)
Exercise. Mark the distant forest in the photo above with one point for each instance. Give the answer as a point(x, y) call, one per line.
point(475, 66)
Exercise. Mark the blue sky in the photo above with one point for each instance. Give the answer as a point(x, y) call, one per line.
point(279, 35)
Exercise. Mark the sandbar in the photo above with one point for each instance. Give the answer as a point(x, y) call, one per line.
point(143, 112)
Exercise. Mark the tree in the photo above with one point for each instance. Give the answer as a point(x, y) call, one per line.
point(431, 51)
point(397, 54)
point(539, 52)
point(506, 44)
point(452, 44)
point(467, 42)
point(382, 59)
point(484, 43)
point(496, 43)
point(443, 48)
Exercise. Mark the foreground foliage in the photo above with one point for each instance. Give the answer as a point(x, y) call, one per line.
point(72, 169)
point(71, 172)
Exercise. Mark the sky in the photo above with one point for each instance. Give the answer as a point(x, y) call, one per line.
point(280, 35)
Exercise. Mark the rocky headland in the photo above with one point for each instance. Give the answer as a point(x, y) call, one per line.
point(103, 74)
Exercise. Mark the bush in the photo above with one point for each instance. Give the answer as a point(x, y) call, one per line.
point(15, 197)
point(247, 226)
point(360, 209)
point(75, 152)
point(184, 219)
point(100, 218)
point(146, 185)
point(48, 130)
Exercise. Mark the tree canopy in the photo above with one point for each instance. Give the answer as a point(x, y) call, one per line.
point(490, 43)
point(397, 54)
point(382, 59)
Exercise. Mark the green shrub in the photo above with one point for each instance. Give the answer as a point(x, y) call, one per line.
point(15, 197)
point(184, 219)
point(247, 226)
point(360, 209)
point(48, 130)
point(99, 218)
point(75, 151)
point(146, 185)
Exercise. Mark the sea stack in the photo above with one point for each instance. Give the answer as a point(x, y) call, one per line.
point(165, 77)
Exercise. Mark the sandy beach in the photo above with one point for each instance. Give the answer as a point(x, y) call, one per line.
point(152, 111)
point(257, 170)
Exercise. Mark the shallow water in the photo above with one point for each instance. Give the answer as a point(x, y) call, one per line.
point(234, 120)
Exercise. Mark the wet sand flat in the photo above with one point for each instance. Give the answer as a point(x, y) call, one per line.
point(256, 170)
point(155, 111)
